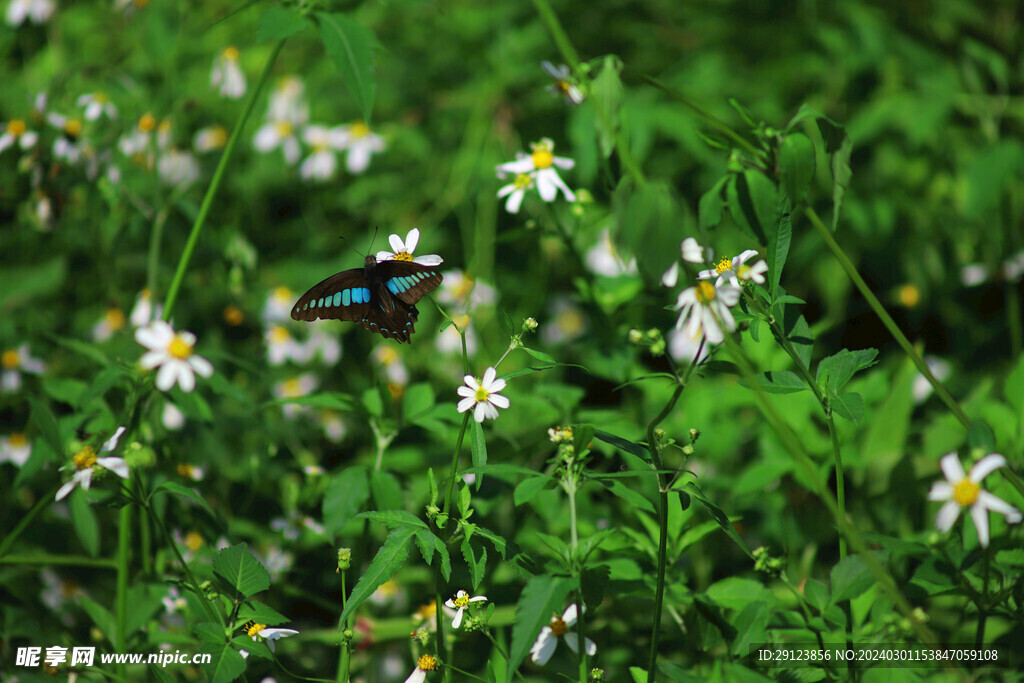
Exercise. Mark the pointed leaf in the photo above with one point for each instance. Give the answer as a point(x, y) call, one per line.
point(542, 597)
point(388, 560)
point(350, 45)
point(241, 570)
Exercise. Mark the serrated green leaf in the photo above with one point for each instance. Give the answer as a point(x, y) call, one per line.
point(541, 597)
point(777, 382)
point(350, 45)
point(393, 519)
point(241, 570)
point(836, 370)
point(849, 406)
point(185, 492)
point(849, 578)
point(476, 565)
point(225, 664)
point(778, 248)
point(716, 513)
point(278, 23)
point(478, 446)
point(387, 492)
point(388, 560)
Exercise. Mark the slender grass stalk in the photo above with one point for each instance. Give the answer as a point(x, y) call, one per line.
point(124, 534)
point(218, 176)
point(213, 615)
point(883, 315)
point(343, 654)
point(571, 486)
point(659, 595)
point(44, 502)
point(47, 560)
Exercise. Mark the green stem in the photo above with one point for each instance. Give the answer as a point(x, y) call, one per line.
point(454, 472)
point(883, 315)
point(343, 654)
point(218, 176)
point(45, 560)
point(571, 485)
point(979, 636)
point(659, 595)
point(123, 557)
point(213, 616)
point(45, 501)
point(439, 643)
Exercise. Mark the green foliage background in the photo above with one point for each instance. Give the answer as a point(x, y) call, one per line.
point(930, 96)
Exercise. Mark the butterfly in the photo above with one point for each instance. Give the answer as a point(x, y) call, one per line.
point(380, 296)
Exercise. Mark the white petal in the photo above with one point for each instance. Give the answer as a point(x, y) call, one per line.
point(692, 252)
point(980, 516)
point(478, 598)
point(417, 676)
point(947, 516)
point(480, 412)
point(167, 376)
point(563, 162)
point(111, 443)
point(671, 276)
point(941, 490)
point(503, 191)
point(275, 633)
point(546, 185)
point(986, 466)
point(449, 603)
point(396, 243)
point(498, 400)
point(488, 381)
point(358, 159)
point(457, 621)
point(384, 256)
point(569, 615)
point(64, 490)
point(544, 646)
point(116, 465)
point(515, 201)
point(466, 391)
point(522, 165)
point(152, 359)
point(471, 382)
point(290, 147)
point(742, 258)
point(996, 503)
point(465, 404)
point(412, 239)
point(951, 467)
point(266, 138)
point(429, 260)
point(202, 366)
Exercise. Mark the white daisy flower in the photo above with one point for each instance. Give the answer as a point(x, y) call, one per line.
point(143, 312)
point(96, 105)
point(563, 84)
point(542, 161)
point(320, 343)
point(460, 602)
point(403, 250)
point(737, 270)
point(172, 352)
point(287, 103)
point(136, 144)
point(257, 631)
point(922, 388)
point(210, 139)
point(14, 362)
point(38, 11)
point(547, 641)
point(174, 601)
point(227, 75)
point(565, 322)
point(516, 191)
point(177, 168)
point(112, 321)
point(321, 164)
point(86, 459)
point(684, 346)
point(16, 132)
point(424, 664)
point(449, 341)
point(281, 346)
point(361, 144)
point(278, 308)
point(705, 307)
point(483, 396)
point(190, 471)
point(295, 387)
point(171, 417)
point(280, 132)
point(388, 358)
point(604, 259)
point(964, 490)
point(461, 289)
point(15, 448)
point(334, 429)
point(691, 252)
point(68, 146)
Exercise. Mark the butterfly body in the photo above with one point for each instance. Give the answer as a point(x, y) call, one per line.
point(380, 296)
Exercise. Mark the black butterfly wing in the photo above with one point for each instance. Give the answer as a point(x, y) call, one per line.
point(408, 281)
point(390, 317)
point(343, 296)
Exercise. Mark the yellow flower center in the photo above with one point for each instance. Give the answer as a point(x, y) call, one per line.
point(461, 321)
point(403, 256)
point(217, 137)
point(743, 272)
point(193, 541)
point(17, 440)
point(282, 294)
point(523, 180)
point(427, 611)
point(481, 394)
point(185, 470)
point(291, 388)
point(233, 316)
point(10, 359)
point(723, 266)
point(558, 626)
point(16, 127)
point(230, 53)
point(279, 335)
point(284, 128)
point(179, 348)
point(359, 130)
point(68, 588)
point(73, 127)
point(427, 663)
point(165, 127)
point(147, 122)
point(966, 493)
point(570, 321)
point(910, 296)
point(705, 292)
point(84, 458)
point(461, 600)
point(465, 286)
point(387, 355)
point(100, 97)
point(542, 158)
point(252, 628)
point(115, 318)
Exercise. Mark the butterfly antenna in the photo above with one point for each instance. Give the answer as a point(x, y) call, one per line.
point(350, 246)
